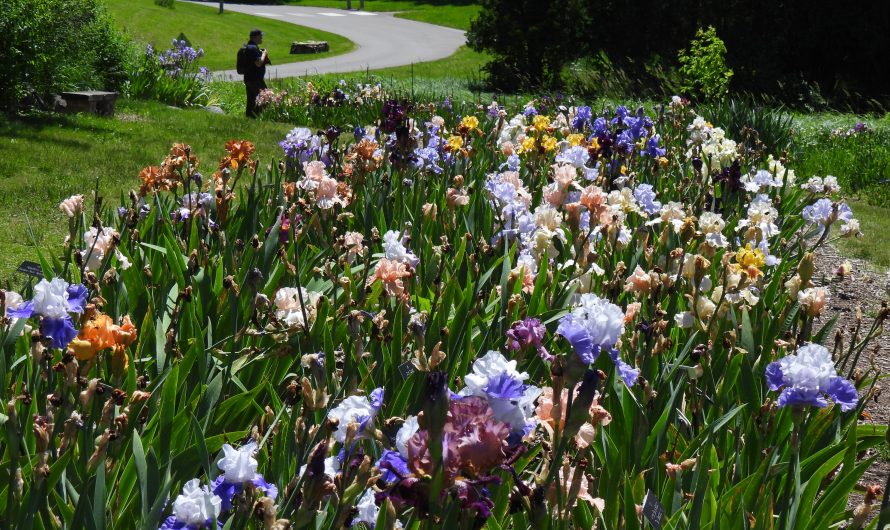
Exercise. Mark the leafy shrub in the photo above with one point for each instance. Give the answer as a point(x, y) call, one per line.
point(531, 40)
point(172, 76)
point(703, 68)
point(56, 45)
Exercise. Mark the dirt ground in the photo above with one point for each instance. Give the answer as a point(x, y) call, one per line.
point(862, 290)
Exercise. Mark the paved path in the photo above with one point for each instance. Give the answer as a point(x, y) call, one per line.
point(381, 39)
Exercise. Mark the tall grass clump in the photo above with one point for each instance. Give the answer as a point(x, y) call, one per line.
point(760, 124)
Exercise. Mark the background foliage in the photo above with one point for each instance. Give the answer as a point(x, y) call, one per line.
point(530, 41)
point(55, 45)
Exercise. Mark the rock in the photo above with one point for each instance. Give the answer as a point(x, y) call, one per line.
point(214, 109)
point(310, 46)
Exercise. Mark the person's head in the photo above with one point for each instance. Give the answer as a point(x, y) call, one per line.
point(256, 36)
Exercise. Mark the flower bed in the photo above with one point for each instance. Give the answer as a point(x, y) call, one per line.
point(534, 317)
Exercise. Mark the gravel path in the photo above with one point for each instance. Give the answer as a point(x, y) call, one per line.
point(381, 39)
point(863, 290)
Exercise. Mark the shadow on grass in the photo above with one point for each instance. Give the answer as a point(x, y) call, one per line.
point(31, 127)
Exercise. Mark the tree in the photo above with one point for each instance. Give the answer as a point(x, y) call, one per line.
point(530, 40)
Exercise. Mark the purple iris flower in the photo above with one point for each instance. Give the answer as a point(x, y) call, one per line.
point(620, 114)
point(652, 148)
point(807, 376)
point(377, 398)
point(228, 490)
point(426, 159)
point(579, 338)
point(504, 386)
point(61, 331)
point(600, 126)
point(625, 140)
point(582, 117)
point(627, 372)
point(594, 326)
point(393, 466)
point(239, 467)
point(171, 523)
point(528, 333)
point(53, 301)
point(512, 164)
point(645, 195)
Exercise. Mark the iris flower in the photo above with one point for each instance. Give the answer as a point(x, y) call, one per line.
point(807, 376)
point(54, 300)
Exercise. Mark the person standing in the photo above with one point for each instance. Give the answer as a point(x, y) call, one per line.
point(255, 76)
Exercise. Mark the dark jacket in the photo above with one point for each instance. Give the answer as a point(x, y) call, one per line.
point(254, 73)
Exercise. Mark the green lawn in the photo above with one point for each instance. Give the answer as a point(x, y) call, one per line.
point(872, 246)
point(441, 12)
point(47, 159)
point(219, 35)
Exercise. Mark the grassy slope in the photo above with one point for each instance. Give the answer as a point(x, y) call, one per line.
point(46, 160)
point(219, 35)
point(439, 12)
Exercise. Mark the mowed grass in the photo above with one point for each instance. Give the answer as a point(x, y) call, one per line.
point(48, 159)
point(873, 245)
point(441, 12)
point(219, 35)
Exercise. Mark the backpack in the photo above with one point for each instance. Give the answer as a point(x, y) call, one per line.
point(242, 64)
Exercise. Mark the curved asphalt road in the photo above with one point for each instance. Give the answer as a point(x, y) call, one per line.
point(381, 39)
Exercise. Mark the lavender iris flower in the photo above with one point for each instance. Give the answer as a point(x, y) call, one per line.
point(594, 326)
point(645, 195)
point(807, 376)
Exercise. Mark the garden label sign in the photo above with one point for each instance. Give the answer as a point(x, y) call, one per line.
point(653, 511)
point(406, 369)
point(31, 269)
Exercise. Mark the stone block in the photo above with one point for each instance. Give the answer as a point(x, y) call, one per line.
point(93, 101)
point(311, 46)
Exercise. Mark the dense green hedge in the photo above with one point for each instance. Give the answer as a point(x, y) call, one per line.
point(54, 45)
